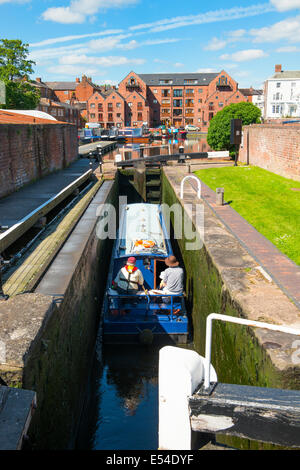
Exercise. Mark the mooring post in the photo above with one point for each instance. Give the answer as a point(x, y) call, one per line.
point(180, 373)
point(220, 196)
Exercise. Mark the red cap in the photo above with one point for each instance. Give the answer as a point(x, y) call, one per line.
point(131, 260)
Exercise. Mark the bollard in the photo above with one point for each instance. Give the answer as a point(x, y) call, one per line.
point(220, 196)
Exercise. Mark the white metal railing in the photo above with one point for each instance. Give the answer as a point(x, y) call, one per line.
point(198, 183)
point(240, 321)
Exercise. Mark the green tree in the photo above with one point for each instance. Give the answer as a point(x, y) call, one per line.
point(13, 60)
point(218, 135)
point(14, 69)
point(21, 95)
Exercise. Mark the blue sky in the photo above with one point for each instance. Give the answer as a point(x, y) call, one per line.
point(106, 39)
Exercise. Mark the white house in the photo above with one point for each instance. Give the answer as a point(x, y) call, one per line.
point(282, 94)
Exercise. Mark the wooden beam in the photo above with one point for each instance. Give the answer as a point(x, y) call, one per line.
point(261, 414)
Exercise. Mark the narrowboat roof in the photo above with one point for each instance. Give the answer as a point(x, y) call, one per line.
point(142, 231)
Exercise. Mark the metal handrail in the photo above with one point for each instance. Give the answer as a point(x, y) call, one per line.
point(240, 321)
point(135, 296)
point(198, 183)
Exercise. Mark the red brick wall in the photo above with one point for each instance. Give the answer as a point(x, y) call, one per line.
point(273, 147)
point(29, 152)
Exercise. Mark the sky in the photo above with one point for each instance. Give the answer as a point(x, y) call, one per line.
point(107, 39)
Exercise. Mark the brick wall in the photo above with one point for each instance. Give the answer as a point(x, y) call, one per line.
point(29, 152)
point(273, 147)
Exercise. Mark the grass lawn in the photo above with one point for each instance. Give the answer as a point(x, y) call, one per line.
point(265, 200)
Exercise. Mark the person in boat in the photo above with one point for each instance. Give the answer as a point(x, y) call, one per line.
point(171, 280)
point(129, 278)
point(172, 277)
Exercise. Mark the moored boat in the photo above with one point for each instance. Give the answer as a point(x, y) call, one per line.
point(147, 315)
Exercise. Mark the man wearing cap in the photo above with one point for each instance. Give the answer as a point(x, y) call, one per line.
point(129, 278)
point(172, 277)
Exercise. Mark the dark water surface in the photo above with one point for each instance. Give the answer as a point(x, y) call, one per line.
point(122, 405)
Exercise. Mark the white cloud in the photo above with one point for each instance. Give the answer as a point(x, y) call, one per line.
point(288, 29)
point(206, 70)
point(215, 45)
point(79, 10)
point(72, 70)
point(47, 42)
point(178, 65)
point(14, 1)
point(285, 5)
point(208, 17)
point(288, 49)
point(241, 56)
point(108, 61)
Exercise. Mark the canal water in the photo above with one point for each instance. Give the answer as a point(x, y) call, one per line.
point(121, 410)
point(160, 147)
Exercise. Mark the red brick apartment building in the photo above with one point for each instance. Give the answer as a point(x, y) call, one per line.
point(172, 99)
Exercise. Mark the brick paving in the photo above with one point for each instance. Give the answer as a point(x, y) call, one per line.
point(283, 271)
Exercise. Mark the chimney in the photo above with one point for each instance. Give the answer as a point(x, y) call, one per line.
point(77, 80)
point(38, 79)
point(278, 68)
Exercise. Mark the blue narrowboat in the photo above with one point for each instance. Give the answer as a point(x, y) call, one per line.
point(147, 315)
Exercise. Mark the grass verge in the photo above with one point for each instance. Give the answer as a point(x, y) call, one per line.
point(267, 201)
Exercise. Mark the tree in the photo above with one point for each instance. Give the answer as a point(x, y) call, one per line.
point(13, 59)
point(14, 69)
point(21, 95)
point(218, 135)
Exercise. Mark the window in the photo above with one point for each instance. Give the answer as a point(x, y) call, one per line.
point(177, 112)
point(177, 93)
point(92, 105)
point(189, 81)
point(273, 109)
point(154, 101)
point(166, 101)
point(177, 103)
point(165, 93)
point(130, 105)
point(100, 117)
point(118, 105)
point(154, 91)
point(165, 82)
point(165, 110)
point(200, 90)
point(189, 91)
point(140, 117)
point(220, 104)
point(92, 115)
point(200, 100)
point(66, 92)
point(278, 85)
